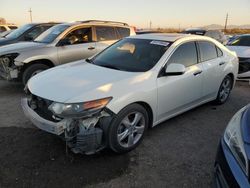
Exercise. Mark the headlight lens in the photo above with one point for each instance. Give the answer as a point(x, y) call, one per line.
point(79, 109)
point(8, 58)
point(233, 139)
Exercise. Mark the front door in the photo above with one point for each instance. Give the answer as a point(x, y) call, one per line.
point(78, 44)
point(178, 93)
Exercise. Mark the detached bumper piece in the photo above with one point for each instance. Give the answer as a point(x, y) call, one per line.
point(79, 136)
point(8, 73)
point(244, 68)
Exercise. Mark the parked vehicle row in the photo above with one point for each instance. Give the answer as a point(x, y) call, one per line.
point(215, 34)
point(26, 32)
point(7, 27)
point(60, 44)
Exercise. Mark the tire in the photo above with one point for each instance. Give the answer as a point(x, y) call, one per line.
point(225, 90)
point(33, 70)
point(117, 139)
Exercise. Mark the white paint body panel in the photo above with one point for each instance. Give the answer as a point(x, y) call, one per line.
point(167, 96)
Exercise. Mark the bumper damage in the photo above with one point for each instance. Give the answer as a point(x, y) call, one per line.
point(85, 135)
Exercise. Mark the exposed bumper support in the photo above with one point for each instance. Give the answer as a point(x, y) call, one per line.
point(48, 126)
point(8, 73)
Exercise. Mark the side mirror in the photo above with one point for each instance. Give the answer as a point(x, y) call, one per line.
point(64, 42)
point(175, 69)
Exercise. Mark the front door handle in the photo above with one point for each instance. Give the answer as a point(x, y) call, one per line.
point(91, 48)
point(197, 72)
point(222, 63)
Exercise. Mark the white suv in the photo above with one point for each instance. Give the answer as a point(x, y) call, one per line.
point(111, 99)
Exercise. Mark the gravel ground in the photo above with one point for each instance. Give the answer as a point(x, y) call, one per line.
point(178, 153)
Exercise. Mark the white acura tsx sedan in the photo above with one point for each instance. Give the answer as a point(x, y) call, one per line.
point(111, 99)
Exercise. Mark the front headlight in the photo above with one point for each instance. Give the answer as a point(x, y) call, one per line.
point(233, 139)
point(77, 110)
point(8, 59)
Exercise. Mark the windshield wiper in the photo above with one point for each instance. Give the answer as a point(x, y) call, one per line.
point(110, 67)
point(89, 60)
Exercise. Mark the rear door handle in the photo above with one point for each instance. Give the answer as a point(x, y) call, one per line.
point(197, 73)
point(91, 48)
point(222, 63)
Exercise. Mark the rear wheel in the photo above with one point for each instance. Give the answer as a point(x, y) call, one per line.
point(225, 90)
point(32, 70)
point(128, 128)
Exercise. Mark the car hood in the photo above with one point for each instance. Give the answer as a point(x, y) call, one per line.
point(4, 41)
point(80, 81)
point(20, 47)
point(242, 51)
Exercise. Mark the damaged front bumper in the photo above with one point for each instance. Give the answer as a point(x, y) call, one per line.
point(41, 123)
point(8, 73)
point(86, 136)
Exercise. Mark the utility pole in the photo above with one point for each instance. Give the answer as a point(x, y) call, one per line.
point(30, 11)
point(225, 28)
point(150, 24)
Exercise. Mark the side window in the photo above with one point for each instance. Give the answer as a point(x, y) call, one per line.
point(219, 52)
point(186, 54)
point(123, 32)
point(79, 36)
point(2, 29)
point(105, 33)
point(34, 33)
point(13, 27)
point(207, 51)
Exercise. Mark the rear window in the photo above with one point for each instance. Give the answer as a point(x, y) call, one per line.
point(207, 51)
point(105, 33)
point(123, 32)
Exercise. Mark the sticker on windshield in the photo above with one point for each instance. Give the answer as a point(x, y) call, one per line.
point(160, 43)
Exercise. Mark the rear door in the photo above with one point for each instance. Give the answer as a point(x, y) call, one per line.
point(178, 93)
point(105, 36)
point(80, 45)
point(212, 68)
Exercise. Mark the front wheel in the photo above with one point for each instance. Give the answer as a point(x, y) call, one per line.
point(128, 128)
point(225, 90)
point(32, 70)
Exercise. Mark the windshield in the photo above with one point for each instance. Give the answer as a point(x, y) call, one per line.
point(240, 41)
point(51, 34)
point(133, 55)
point(18, 32)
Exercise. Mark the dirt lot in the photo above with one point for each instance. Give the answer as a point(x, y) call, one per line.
point(178, 153)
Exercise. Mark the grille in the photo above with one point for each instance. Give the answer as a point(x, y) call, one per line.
point(40, 106)
point(244, 65)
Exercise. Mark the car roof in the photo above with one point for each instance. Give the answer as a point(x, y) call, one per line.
point(170, 37)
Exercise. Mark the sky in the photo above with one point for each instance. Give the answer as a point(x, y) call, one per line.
point(139, 13)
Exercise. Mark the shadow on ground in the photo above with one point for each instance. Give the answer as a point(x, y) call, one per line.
point(32, 158)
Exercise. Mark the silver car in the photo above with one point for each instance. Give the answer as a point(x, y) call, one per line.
point(60, 44)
